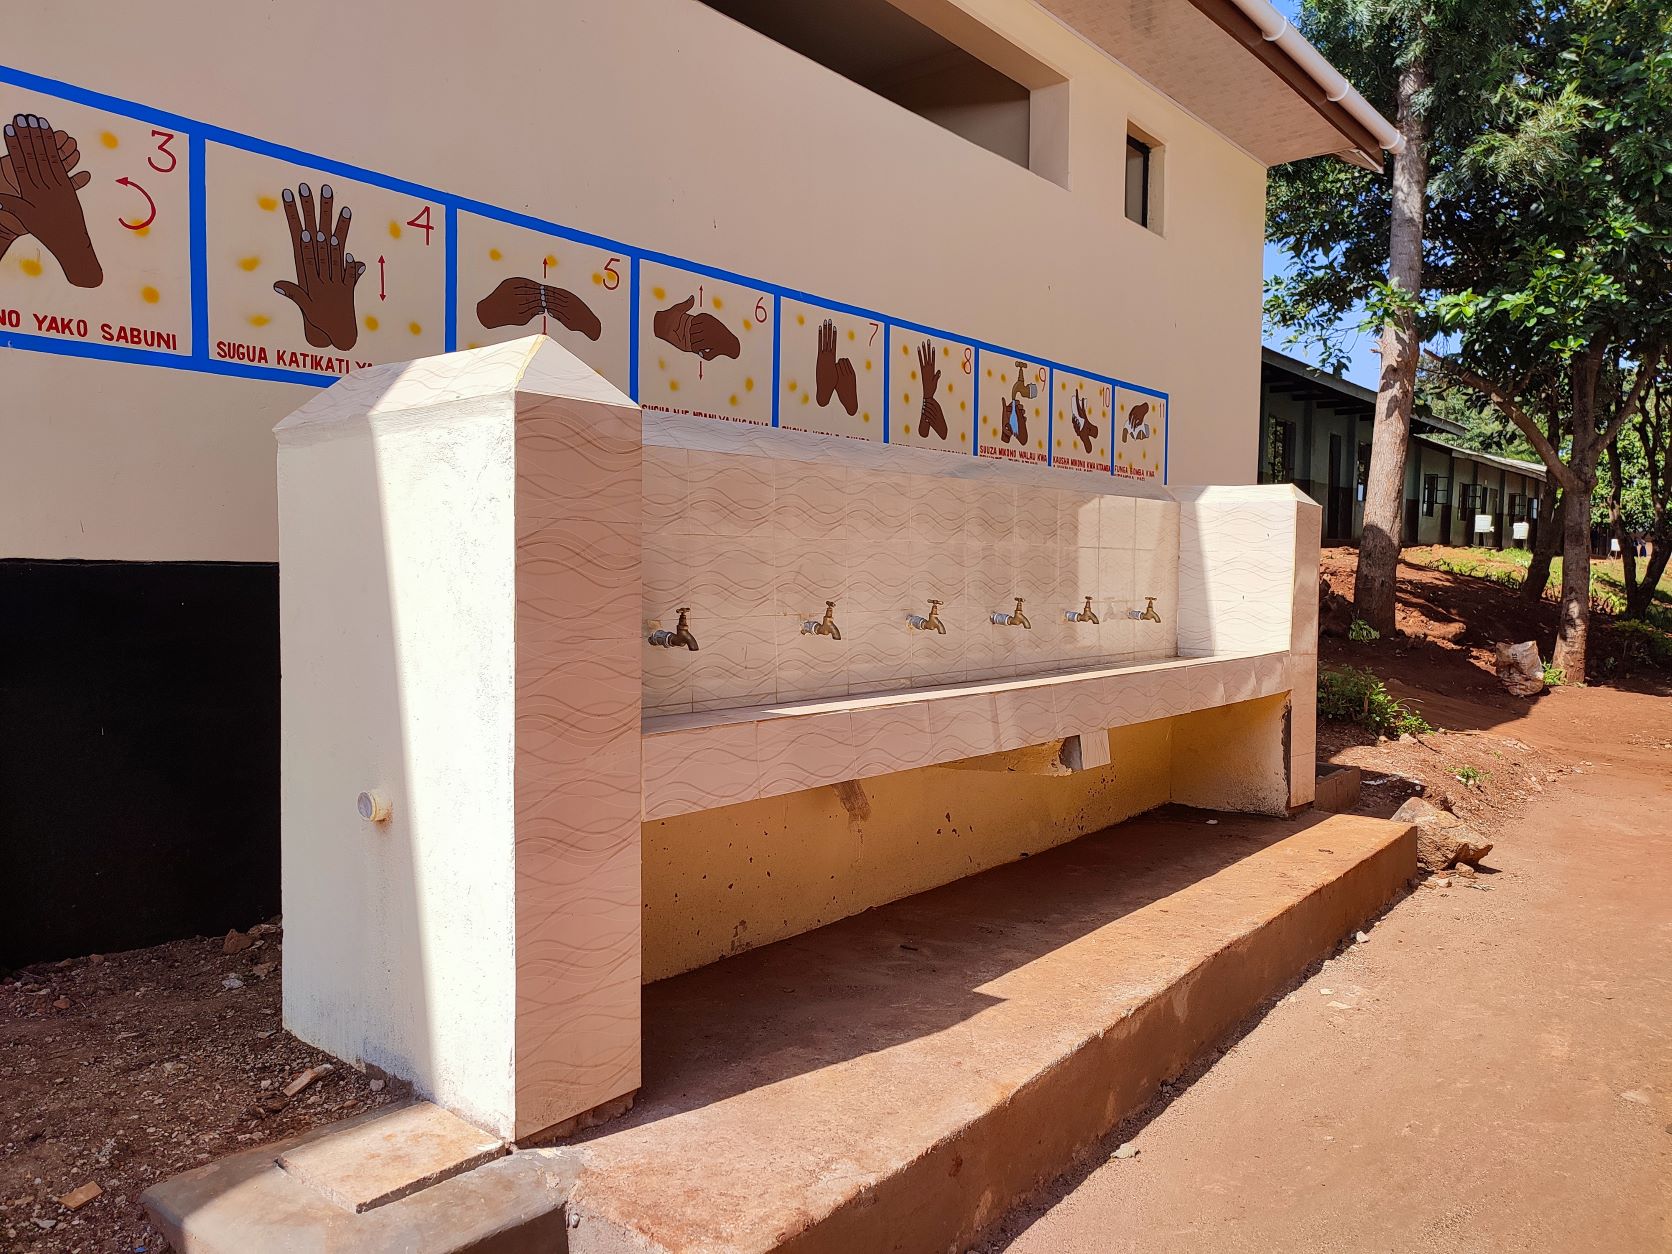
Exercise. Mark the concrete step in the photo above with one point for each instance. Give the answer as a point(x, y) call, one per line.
point(896, 1081)
point(892, 1082)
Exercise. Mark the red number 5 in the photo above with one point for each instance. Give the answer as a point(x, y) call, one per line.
point(612, 276)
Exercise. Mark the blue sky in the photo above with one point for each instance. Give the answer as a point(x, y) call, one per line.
point(1365, 365)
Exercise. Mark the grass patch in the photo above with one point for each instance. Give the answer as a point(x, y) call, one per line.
point(1362, 631)
point(1349, 694)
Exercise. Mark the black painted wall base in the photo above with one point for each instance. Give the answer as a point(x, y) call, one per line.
point(139, 753)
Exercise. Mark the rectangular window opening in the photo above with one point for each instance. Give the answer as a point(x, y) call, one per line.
point(887, 51)
point(1138, 157)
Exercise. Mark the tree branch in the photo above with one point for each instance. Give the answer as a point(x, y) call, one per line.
point(1505, 401)
point(1646, 370)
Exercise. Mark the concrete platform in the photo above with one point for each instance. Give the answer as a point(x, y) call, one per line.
point(895, 1081)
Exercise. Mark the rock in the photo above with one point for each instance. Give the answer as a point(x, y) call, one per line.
point(1443, 839)
point(376, 1086)
point(1127, 1150)
point(236, 942)
point(1362, 938)
point(1465, 871)
point(45, 1225)
point(1339, 1005)
point(75, 1199)
point(63, 1003)
point(1520, 669)
point(231, 982)
point(262, 970)
point(1327, 992)
point(305, 1078)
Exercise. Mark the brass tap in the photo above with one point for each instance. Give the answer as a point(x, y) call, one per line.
point(1149, 614)
point(680, 637)
point(1013, 619)
point(826, 628)
point(1086, 615)
point(931, 623)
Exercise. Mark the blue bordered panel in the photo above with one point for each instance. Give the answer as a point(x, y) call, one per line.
point(193, 349)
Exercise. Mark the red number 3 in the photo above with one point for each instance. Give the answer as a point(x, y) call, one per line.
point(163, 138)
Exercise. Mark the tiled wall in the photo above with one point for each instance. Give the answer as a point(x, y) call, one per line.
point(757, 544)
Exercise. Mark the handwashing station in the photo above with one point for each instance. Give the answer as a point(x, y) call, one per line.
point(576, 697)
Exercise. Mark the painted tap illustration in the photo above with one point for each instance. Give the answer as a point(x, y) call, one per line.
point(1014, 420)
point(828, 627)
point(1086, 615)
point(931, 623)
point(680, 637)
point(1149, 615)
point(1013, 619)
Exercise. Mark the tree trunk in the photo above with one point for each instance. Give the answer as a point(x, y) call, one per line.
point(1617, 519)
point(1575, 621)
point(1384, 495)
point(1545, 547)
point(1641, 597)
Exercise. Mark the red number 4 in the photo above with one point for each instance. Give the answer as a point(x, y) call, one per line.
point(421, 220)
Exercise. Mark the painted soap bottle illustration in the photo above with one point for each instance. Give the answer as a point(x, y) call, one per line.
point(40, 196)
point(326, 273)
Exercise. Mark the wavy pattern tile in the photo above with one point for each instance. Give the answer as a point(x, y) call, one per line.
point(578, 756)
point(808, 744)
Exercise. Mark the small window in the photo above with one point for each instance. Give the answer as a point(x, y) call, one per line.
point(1430, 494)
point(1138, 159)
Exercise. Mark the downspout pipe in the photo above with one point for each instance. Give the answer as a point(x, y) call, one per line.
point(1276, 29)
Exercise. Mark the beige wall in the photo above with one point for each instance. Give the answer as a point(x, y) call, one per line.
point(663, 124)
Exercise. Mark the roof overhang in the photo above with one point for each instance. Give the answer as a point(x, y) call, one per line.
point(1241, 68)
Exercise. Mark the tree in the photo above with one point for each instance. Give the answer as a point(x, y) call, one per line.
point(1434, 65)
point(1576, 268)
point(1639, 500)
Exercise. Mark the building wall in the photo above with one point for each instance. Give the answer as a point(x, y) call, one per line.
point(656, 122)
point(708, 142)
point(1432, 461)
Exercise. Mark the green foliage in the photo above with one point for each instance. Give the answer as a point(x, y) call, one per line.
point(1470, 775)
point(1362, 631)
point(1554, 676)
point(1352, 695)
point(1641, 643)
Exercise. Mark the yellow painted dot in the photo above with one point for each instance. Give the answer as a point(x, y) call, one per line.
point(142, 231)
point(108, 139)
point(906, 396)
point(945, 351)
point(914, 374)
point(904, 351)
point(749, 385)
point(551, 262)
point(371, 322)
point(748, 324)
point(866, 416)
point(673, 385)
point(248, 263)
point(149, 294)
point(963, 405)
point(259, 320)
point(963, 437)
point(661, 363)
point(717, 303)
point(268, 203)
point(850, 335)
point(473, 344)
point(31, 266)
point(494, 254)
point(660, 293)
point(394, 229)
point(867, 363)
point(989, 374)
point(800, 320)
point(805, 398)
point(732, 400)
point(792, 385)
point(597, 279)
point(415, 328)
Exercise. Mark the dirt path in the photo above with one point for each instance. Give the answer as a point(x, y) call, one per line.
point(1492, 1071)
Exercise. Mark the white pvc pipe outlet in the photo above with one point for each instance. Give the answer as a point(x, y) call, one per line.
point(374, 807)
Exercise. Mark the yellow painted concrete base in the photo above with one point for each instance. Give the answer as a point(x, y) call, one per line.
point(718, 882)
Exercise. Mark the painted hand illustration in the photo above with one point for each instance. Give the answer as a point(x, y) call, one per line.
point(518, 301)
point(326, 275)
point(835, 375)
point(1013, 422)
point(1137, 423)
point(1084, 429)
point(40, 196)
point(931, 418)
point(702, 334)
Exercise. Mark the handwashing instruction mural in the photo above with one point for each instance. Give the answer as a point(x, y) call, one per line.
point(136, 235)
